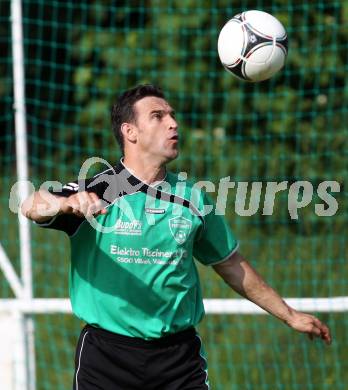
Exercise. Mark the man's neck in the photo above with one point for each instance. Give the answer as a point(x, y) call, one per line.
point(148, 172)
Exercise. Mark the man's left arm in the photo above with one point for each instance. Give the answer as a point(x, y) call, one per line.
point(243, 278)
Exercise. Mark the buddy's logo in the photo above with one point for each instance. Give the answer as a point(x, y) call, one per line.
point(132, 228)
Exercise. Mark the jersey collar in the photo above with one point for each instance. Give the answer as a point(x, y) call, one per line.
point(136, 179)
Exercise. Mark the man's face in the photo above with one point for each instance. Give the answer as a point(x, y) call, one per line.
point(156, 129)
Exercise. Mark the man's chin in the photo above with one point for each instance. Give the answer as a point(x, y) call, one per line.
point(173, 155)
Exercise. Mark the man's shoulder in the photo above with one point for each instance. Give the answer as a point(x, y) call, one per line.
point(98, 184)
point(82, 183)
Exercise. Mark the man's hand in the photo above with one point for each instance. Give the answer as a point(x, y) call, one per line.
point(309, 324)
point(41, 206)
point(82, 204)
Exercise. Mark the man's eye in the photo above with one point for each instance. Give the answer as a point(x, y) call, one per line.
point(157, 116)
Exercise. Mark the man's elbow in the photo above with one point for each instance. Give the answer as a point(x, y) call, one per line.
point(229, 265)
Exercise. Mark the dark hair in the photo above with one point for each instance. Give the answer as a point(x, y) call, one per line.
point(123, 110)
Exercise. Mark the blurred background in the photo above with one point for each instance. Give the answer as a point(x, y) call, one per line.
point(79, 56)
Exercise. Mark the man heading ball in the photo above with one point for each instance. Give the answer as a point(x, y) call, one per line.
point(133, 276)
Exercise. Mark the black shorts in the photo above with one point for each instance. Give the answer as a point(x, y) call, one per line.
point(109, 361)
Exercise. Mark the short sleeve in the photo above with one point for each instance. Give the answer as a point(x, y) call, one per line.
point(216, 242)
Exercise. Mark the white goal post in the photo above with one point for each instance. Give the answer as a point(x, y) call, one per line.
point(212, 306)
point(15, 356)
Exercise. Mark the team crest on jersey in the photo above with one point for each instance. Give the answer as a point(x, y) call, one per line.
point(180, 228)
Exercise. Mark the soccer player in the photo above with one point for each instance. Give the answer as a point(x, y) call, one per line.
point(134, 233)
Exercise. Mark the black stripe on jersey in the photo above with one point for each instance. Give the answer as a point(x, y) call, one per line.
point(158, 194)
point(109, 186)
point(152, 191)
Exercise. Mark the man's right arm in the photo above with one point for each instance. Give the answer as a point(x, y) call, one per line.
point(243, 278)
point(42, 206)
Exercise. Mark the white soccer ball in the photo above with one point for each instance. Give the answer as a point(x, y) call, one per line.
point(253, 45)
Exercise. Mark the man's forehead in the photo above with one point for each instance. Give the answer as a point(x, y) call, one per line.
point(152, 103)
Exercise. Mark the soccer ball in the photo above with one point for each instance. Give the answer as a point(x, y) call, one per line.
point(253, 45)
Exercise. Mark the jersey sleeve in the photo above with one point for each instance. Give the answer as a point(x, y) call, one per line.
point(216, 242)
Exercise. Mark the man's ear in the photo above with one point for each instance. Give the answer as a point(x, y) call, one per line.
point(129, 132)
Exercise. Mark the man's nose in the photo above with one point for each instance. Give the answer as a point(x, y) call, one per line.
point(173, 123)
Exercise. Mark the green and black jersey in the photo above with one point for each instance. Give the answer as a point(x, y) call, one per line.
point(133, 269)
